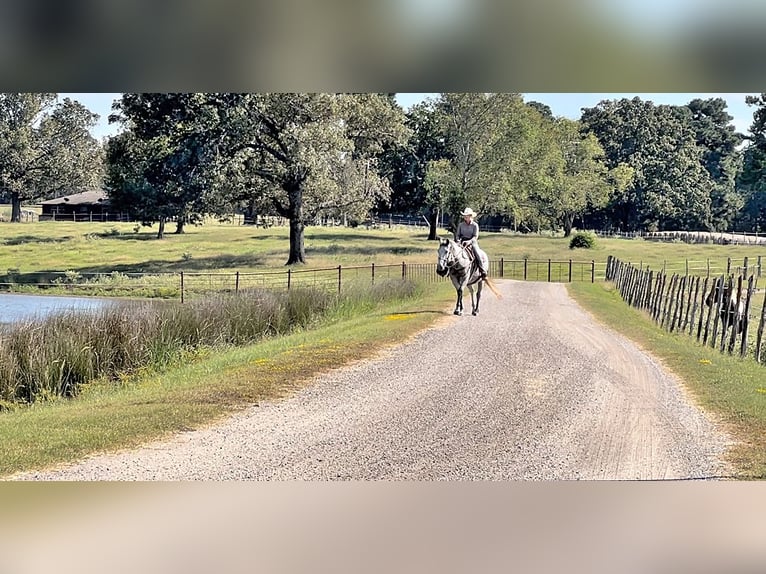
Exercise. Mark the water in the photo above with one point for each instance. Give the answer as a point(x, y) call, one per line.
point(15, 307)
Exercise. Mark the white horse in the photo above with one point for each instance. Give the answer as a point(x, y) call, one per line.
point(453, 259)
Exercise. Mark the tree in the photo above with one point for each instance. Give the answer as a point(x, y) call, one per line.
point(751, 180)
point(318, 152)
point(671, 188)
point(487, 137)
point(751, 184)
point(579, 178)
point(718, 140)
point(46, 149)
point(135, 179)
point(407, 166)
point(169, 143)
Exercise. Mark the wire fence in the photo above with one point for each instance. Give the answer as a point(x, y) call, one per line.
point(184, 285)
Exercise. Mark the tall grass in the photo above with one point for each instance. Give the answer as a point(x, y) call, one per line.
point(45, 358)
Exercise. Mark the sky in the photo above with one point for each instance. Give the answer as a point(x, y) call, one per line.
point(562, 104)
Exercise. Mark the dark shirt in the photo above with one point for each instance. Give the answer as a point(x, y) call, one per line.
point(467, 231)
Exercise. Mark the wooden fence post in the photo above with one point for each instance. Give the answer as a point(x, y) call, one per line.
point(592, 271)
point(717, 309)
point(746, 319)
point(679, 304)
point(701, 307)
point(734, 318)
point(693, 305)
point(759, 336)
point(669, 300)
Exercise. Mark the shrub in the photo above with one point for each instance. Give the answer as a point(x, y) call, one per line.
point(582, 240)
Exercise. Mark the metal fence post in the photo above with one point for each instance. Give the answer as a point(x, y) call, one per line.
point(404, 270)
point(525, 269)
point(339, 277)
point(289, 278)
point(372, 266)
point(570, 270)
point(182, 286)
point(236, 283)
point(549, 270)
point(502, 271)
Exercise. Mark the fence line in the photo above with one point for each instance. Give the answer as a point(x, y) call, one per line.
point(715, 310)
point(190, 283)
point(709, 237)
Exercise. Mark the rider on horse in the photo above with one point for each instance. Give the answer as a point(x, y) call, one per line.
point(467, 234)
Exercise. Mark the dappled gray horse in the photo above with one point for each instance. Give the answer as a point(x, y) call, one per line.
point(731, 310)
point(453, 260)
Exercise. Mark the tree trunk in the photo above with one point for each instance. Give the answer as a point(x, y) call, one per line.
point(295, 209)
point(251, 217)
point(161, 229)
point(15, 207)
point(297, 252)
point(433, 220)
point(180, 225)
point(568, 224)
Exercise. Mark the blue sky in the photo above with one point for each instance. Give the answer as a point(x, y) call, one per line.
point(561, 104)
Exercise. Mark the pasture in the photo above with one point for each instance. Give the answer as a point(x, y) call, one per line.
point(123, 248)
point(213, 383)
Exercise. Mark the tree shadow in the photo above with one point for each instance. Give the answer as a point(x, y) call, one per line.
point(214, 263)
point(356, 237)
point(22, 239)
point(336, 249)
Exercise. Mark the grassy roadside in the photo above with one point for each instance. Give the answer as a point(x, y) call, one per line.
point(105, 418)
point(732, 389)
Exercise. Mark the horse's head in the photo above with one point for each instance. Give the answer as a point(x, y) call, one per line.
point(445, 257)
point(712, 297)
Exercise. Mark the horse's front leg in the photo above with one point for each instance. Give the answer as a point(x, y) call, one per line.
point(478, 298)
point(459, 304)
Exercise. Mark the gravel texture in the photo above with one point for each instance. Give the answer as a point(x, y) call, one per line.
point(531, 389)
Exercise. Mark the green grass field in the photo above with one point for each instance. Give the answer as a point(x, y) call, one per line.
point(197, 393)
point(108, 247)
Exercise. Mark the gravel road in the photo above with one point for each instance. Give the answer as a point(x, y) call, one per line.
point(531, 389)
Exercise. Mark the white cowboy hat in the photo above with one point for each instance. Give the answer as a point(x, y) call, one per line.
point(468, 211)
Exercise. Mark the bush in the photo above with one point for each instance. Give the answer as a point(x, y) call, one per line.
point(582, 240)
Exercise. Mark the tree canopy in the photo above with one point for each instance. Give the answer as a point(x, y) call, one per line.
point(46, 149)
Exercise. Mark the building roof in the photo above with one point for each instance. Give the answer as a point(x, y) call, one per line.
point(89, 197)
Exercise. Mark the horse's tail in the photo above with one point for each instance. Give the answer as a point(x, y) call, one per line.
point(493, 288)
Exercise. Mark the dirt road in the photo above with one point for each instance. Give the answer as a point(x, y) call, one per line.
point(531, 389)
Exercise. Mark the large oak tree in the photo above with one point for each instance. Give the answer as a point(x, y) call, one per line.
point(46, 149)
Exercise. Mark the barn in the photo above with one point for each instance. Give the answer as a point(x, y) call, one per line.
point(85, 206)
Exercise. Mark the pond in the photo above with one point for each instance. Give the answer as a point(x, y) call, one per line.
point(14, 307)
